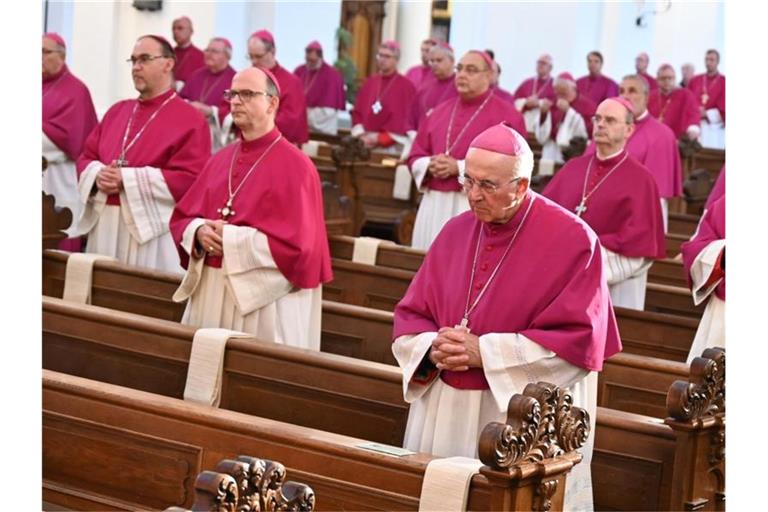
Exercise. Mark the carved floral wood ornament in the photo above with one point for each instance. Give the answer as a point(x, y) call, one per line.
point(704, 393)
point(249, 484)
point(542, 422)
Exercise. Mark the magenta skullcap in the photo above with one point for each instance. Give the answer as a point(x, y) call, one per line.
point(314, 45)
point(392, 45)
point(487, 58)
point(445, 46)
point(56, 38)
point(225, 41)
point(264, 35)
point(566, 76)
point(271, 76)
point(159, 39)
point(623, 102)
point(503, 139)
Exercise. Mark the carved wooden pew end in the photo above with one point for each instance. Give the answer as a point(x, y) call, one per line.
point(249, 483)
point(537, 443)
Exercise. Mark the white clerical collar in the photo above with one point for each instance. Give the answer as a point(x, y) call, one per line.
point(602, 158)
point(643, 115)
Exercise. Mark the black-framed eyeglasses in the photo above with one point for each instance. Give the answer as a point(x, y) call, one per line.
point(255, 56)
point(143, 59)
point(245, 95)
point(485, 186)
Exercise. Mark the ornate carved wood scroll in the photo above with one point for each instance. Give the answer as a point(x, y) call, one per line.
point(704, 393)
point(541, 423)
point(249, 484)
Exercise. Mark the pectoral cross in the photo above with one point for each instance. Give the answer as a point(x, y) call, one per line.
point(704, 98)
point(227, 211)
point(582, 207)
point(464, 323)
point(121, 161)
point(376, 107)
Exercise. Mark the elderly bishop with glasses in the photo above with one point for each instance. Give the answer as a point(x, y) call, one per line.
point(438, 154)
point(139, 162)
point(618, 197)
point(250, 232)
point(511, 292)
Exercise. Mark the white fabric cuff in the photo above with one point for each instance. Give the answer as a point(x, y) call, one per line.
point(93, 204)
point(520, 104)
point(357, 130)
point(702, 268)
point(409, 350)
point(188, 238)
point(419, 171)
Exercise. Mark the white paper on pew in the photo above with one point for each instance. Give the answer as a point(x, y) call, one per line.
point(78, 276)
point(386, 449)
point(713, 116)
point(402, 187)
point(366, 248)
point(206, 365)
point(446, 483)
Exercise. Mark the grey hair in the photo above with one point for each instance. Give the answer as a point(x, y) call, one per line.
point(445, 51)
point(640, 79)
point(630, 117)
point(223, 41)
point(524, 165)
point(272, 89)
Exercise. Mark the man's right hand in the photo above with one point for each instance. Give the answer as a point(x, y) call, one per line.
point(210, 236)
point(108, 180)
point(545, 105)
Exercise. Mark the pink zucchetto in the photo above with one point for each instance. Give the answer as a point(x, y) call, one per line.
point(392, 45)
point(271, 76)
point(314, 45)
point(444, 45)
point(623, 102)
point(226, 42)
point(566, 76)
point(56, 38)
point(487, 58)
point(265, 35)
point(503, 139)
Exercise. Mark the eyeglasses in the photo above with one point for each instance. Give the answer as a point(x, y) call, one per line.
point(470, 70)
point(385, 56)
point(213, 50)
point(485, 186)
point(143, 59)
point(255, 56)
point(48, 52)
point(245, 95)
point(610, 121)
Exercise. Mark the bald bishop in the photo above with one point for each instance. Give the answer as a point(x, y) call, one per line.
point(250, 232)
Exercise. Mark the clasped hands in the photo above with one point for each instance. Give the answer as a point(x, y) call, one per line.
point(455, 349)
point(443, 166)
point(110, 179)
point(210, 236)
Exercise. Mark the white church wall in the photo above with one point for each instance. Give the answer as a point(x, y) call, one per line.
point(100, 35)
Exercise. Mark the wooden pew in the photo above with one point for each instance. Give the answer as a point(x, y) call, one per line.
point(621, 439)
point(55, 221)
point(159, 443)
point(656, 334)
point(674, 300)
point(337, 209)
point(683, 224)
point(346, 329)
point(100, 344)
point(674, 241)
point(669, 272)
